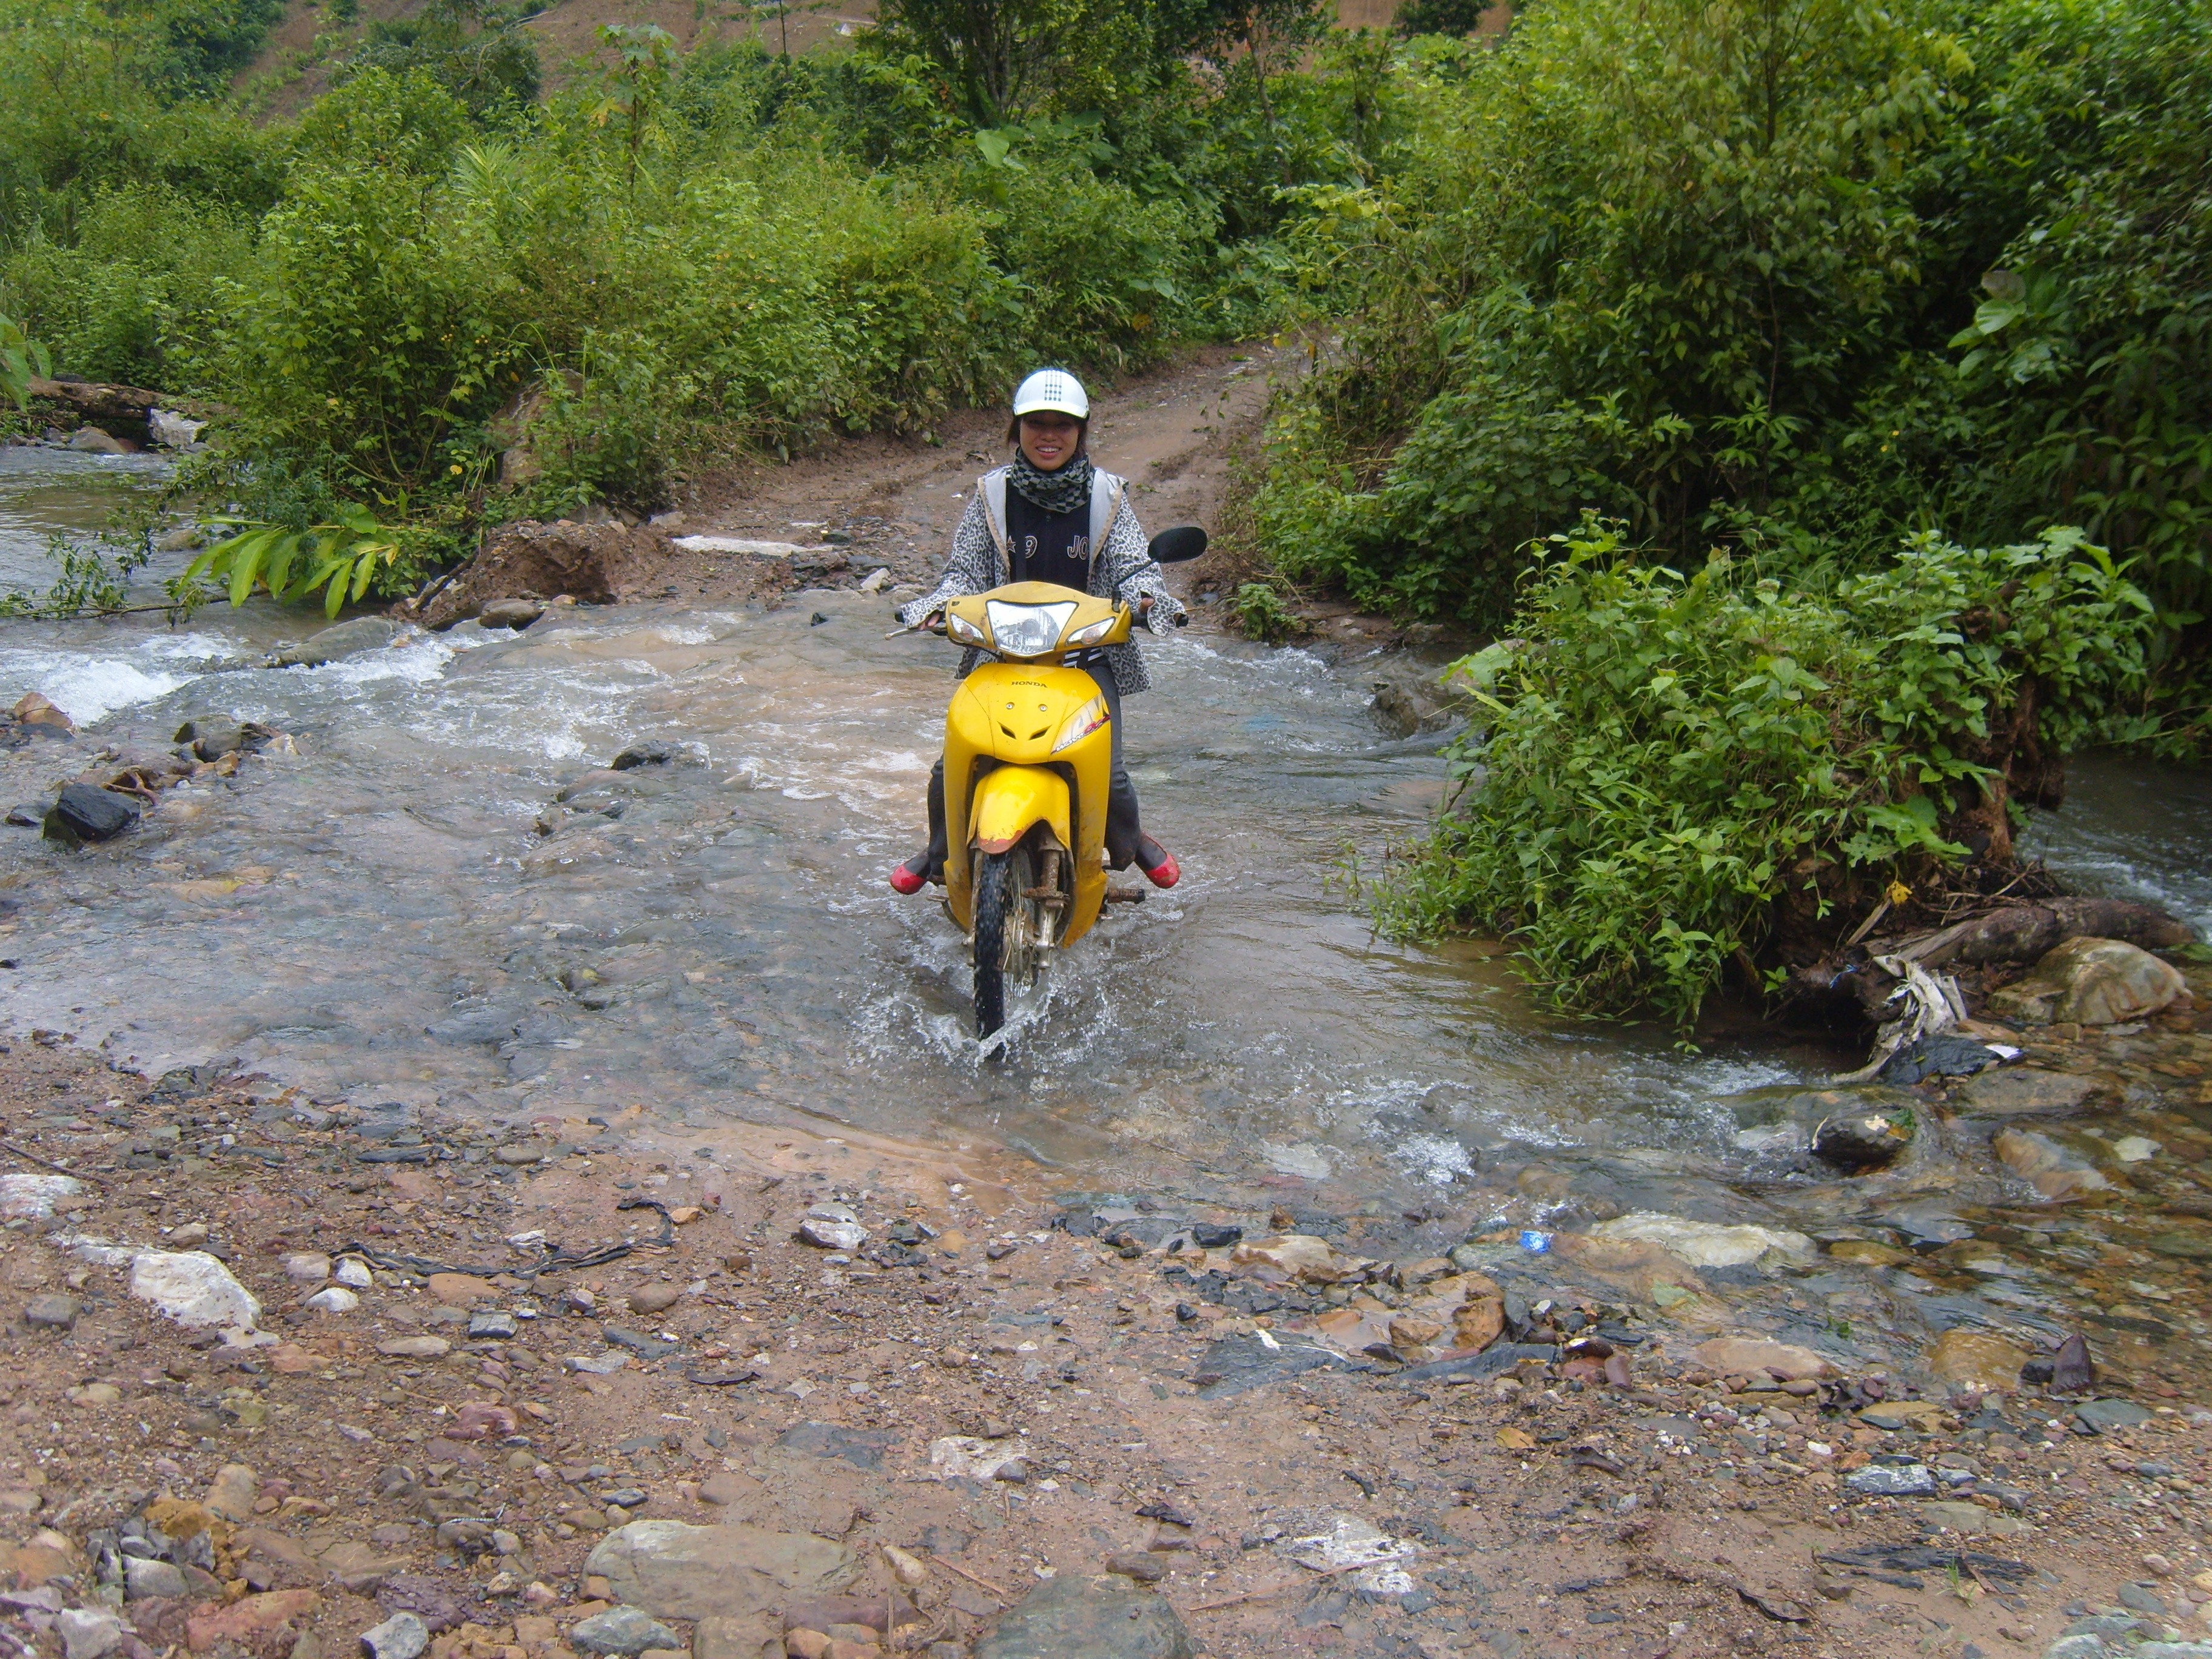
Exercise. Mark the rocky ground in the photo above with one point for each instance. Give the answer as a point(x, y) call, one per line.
point(560, 1386)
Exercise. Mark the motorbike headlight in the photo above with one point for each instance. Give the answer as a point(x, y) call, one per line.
point(1026, 630)
point(1081, 724)
point(960, 628)
point(1092, 634)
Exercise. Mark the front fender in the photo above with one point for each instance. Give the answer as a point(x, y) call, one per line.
point(1010, 800)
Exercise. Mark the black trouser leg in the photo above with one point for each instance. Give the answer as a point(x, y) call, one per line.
point(934, 857)
point(1122, 829)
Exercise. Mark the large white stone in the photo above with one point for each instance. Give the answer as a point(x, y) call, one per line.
point(193, 1289)
point(1705, 1244)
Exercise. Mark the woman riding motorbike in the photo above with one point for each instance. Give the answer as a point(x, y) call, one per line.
point(1051, 516)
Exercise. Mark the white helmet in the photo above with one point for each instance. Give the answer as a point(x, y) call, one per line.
point(1055, 389)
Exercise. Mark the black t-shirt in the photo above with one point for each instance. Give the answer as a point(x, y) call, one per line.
point(1049, 547)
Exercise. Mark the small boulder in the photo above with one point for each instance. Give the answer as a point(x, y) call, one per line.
point(1737, 1355)
point(1076, 1617)
point(209, 737)
point(1705, 1243)
point(2090, 981)
point(151, 1581)
point(91, 440)
point(1857, 1141)
point(2024, 1091)
point(230, 1495)
point(1976, 1360)
point(1891, 1480)
point(193, 1289)
point(89, 1632)
point(676, 1571)
point(515, 614)
point(51, 1312)
point(647, 751)
point(832, 1235)
point(2050, 1168)
point(2103, 1416)
point(347, 638)
point(85, 812)
point(625, 1630)
point(34, 712)
point(1302, 1256)
point(403, 1635)
point(172, 430)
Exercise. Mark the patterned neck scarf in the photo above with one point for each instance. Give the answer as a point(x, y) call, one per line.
point(1063, 491)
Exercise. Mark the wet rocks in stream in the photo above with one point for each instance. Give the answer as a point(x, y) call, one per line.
point(724, 1433)
point(83, 813)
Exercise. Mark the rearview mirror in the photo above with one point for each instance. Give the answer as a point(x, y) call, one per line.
point(1179, 545)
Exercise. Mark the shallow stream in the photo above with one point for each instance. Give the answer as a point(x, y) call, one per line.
point(378, 918)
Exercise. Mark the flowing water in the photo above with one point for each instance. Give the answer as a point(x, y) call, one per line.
point(377, 917)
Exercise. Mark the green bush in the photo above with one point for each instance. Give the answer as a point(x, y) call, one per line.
point(477, 52)
point(139, 284)
point(1796, 275)
point(1666, 766)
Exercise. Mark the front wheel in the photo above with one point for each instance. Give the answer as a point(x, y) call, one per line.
point(1008, 926)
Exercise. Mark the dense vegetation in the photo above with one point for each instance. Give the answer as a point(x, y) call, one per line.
point(1794, 277)
point(671, 256)
point(1670, 766)
point(1839, 291)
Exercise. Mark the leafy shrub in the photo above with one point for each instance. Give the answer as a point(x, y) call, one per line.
point(478, 52)
point(139, 284)
point(1104, 273)
point(340, 560)
point(1669, 763)
point(1798, 277)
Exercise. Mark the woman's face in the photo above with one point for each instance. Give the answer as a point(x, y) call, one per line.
point(1049, 440)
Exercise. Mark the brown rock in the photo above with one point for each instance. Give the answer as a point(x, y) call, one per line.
point(726, 1488)
point(270, 1561)
point(805, 1644)
point(1302, 1256)
point(1409, 1333)
point(461, 1290)
point(731, 1638)
point(2048, 1167)
point(290, 1359)
point(1142, 1565)
point(1975, 1359)
point(38, 1561)
point(482, 1420)
point(1479, 1320)
point(655, 1298)
point(2090, 982)
point(1733, 1356)
point(32, 709)
point(251, 1622)
point(230, 1496)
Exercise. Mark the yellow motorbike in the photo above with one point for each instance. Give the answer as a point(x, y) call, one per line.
point(1028, 758)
